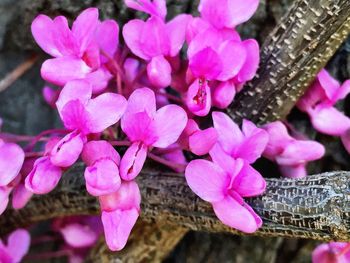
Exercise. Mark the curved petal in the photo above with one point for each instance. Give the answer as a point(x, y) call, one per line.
point(75, 117)
point(249, 182)
point(44, 177)
point(99, 79)
point(107, 37)
point(117, 227)
point(84, 28)
point(105, 110)
point(4, 198)
point(176, 30)
point(207, 180)
point(96, 150)
point(131, 33)
point(224, 94)
point(153, 8)
point(230, 136)
point(293, 171)
point(20, 196)
point(328, 84)
point(202, 141)
point(159, 72)
point(343, 91)
point(42, 31)
point(198, 98)
point(225, 161)
point(127, 197)
point(78, 236)
point(11, 161)
point(67, 151)
point(210, 38)
point(235, 213)
point(141, 100)
point(133, 160)
point(251, 63)
point(18, 244)
point(169, 123)
point(61, 70)
point(102, 178)
point(206, 64)
point(64, 38)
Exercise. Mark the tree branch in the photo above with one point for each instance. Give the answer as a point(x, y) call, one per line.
point(316, 207)
point(297, 49)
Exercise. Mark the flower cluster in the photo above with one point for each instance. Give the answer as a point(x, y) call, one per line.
point(152, 97)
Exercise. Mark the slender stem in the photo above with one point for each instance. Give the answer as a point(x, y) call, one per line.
point(38, 137)
point(120, 143)
point(114, 64)
point(19, 138)
point(34, 154)
point(18, 72)
point(171, 97)
point(166, 162)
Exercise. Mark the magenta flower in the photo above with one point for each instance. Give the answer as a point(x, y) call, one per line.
point(290, 154)
point(76, 51)
point(83, 115)
point(229, 13)
point(168, 40)
point(147, 127)
point(151, 7)
point(4, 198)
point(102, 172)
point(17, 247)
point(224, 183)
point(319, 102)
point(120, 211)
point(11, 161)
point(333, 252)
point(247, 144)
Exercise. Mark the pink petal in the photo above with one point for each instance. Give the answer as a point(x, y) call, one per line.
point(127, 197)
point(105, 110)
point(64, 38)
point(154, 8)
point(210, 38)
point(61, 70)
point(117, 226)
point(198, 98)
point(251, 63)
point(20, 196)
point(300, 152)
point(107, 37)
point(142, 100)
point(196, 26)
point(329, 84)
point(343, 91)
point(4, 199)
point(131, 33)
point(78, 236)
point(202, 141)
point(235, 213)
point(229, 13)
point(249, 182)
point(159, 72)
point(18, 244)
point(132, 161)
point(75, 117)
point(84, 28)
point(50, 95)
point(233, 56)
point(207, 180)
point(96, 150)
point(230, 136)
point(206, 63)
point(175, 155)
point(254, 143)
point(169, 123)
point(224, 94)
point(331, 253)
point(176, 29)
point(74, 90)
point(44, 177)
point(329, 120)
point(225, 161)
point(99, 79)
point(42, 30)
point(102, 178)
point(67, 150)
point(293, 171)
point(11, 161)
point(345, 138)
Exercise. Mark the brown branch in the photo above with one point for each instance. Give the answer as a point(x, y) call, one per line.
point(316, 207)
point(297, 49)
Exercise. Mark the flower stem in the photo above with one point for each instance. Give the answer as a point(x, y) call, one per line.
point(34, 154)
point(170, 97)
point(19, 138)
point(37, 138)
point(120, 143)
point(175, 166)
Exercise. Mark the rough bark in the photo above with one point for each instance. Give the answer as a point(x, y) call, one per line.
point(149, 242)
point(297, 49)
point(316, 207)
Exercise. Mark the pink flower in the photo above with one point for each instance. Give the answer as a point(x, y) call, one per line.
point(333, 252)
point(168, 40)
point(319, 102)
point(247, 144)
point(290, 154)
point(83, 115)
point(4, 197)
point(224, 183)
point(228, 13)
point(198, 141)
point(11, 161)
point(151, 7)
point(17, 247)
point(102, 172)
point(76, 51)
point(120, 212)
point(147, 127)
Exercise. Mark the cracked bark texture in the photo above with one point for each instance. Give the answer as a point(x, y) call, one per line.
point(316, 207)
